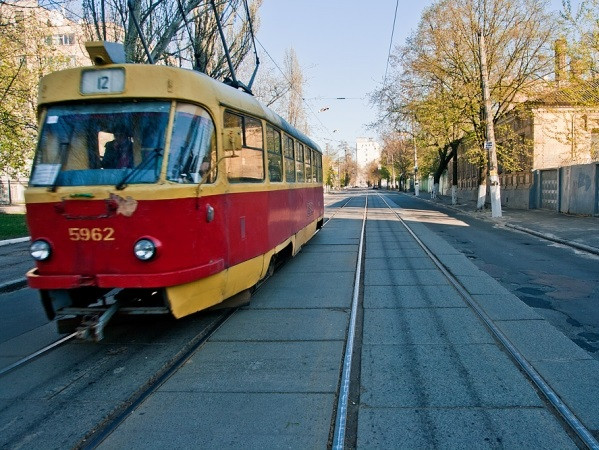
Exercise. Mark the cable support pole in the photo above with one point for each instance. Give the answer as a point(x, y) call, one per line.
point(490, 131)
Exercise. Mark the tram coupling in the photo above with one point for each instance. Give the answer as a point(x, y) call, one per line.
point(92, 326)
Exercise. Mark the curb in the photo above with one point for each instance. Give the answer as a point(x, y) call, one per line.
point(13, 285)
point(14, 241)
point(549, 237)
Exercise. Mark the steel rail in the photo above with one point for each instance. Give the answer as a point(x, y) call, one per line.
point(34, 355)
point(341, 419)
point(336, 211)
point(564, 411)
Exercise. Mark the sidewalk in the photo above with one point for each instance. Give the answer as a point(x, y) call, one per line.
point(581, 232)
point(12, 209)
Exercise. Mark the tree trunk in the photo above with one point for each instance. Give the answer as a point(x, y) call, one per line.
point(454, 181)
point(482, 188)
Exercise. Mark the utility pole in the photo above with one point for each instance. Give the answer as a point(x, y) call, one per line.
point(490, 131)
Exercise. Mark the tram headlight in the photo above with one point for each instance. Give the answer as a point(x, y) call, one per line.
point(144, 249)
point(40, 250)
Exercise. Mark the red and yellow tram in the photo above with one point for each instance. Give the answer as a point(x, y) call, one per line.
point(164, 184)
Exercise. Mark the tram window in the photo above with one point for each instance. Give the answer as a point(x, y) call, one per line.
point(244, 159)
point(319, 167)
point(192, 151)
point(273, 145)
point(308, 158)
point(314, 166)
point(75, 139)
point(299, 162)
point(289, 160)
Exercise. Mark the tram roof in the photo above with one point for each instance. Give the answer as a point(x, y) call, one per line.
point(154, 81)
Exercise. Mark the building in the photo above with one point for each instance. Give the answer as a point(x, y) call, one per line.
point(556, 136)
point(35, 41)
point(49, 35)
point(367, 150)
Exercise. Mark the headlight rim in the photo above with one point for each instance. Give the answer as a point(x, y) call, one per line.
point(47, 251)
point(153, 245)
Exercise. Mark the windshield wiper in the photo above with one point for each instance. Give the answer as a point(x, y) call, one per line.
point(123, 183)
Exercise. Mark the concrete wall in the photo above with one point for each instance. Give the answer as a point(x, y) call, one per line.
point(577, 192)
point(578, 189)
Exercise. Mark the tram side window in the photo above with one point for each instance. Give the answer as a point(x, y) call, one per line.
point(243, 144)
point(308, 158)
point(313, 156)
point(273, 145)
point(299, 162)
point(289, 160)
point(319, 166)
point(192, 151)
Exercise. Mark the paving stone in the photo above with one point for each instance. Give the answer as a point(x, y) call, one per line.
point(308, 366)
point(442, 376)
point(285, 325)
point(488, 428)
point(226, 421)
point(412, 297)
point(538, 340)
point(404, 277)
point(423, 326)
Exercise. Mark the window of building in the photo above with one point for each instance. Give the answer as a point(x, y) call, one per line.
point(275, 158)
point(289, 160)
point(243, 145)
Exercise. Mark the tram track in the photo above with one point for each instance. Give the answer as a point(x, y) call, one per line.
point(342, 411)
point(557, 406)
point(97, 435)
point(21, 362)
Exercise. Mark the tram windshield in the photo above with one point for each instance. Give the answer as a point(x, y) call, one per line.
point(101, 144)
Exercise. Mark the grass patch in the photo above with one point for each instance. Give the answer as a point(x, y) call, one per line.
point(13, 226)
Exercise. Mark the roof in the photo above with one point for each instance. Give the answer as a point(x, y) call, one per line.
point(574, 93)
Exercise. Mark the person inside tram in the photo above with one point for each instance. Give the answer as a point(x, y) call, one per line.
point(118, 153)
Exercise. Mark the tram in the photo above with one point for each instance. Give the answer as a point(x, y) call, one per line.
point(158, 190)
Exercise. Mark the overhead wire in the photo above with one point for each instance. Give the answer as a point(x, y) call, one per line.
point(390, 43)
point(291, 86)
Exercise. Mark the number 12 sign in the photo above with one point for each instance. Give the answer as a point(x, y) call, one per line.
point(106, 81)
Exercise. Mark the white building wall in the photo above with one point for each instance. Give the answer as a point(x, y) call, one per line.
point(367, 150)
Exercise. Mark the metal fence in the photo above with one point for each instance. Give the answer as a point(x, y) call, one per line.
point(12, 192)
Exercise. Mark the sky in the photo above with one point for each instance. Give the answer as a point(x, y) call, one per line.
point(342, 47)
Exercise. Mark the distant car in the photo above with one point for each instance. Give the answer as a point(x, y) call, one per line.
point(376, 186)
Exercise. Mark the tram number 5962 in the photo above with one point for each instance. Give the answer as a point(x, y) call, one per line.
point(91, 234)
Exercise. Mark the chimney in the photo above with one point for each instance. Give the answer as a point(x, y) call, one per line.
point(560, 60)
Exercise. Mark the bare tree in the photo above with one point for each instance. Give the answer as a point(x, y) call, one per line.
point(177, 32)
point(437, 83)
